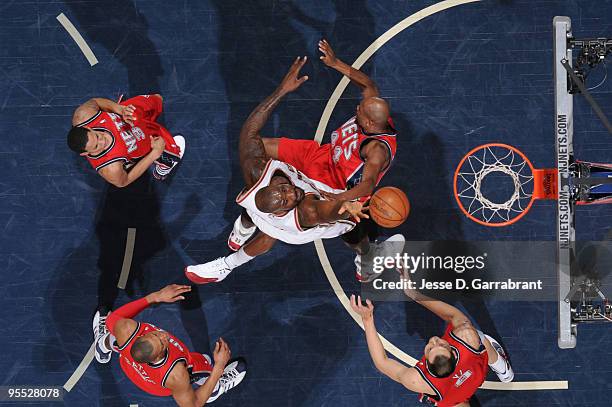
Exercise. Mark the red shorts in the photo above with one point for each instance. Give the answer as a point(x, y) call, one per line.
point(148, 109)
point(201, 367)
point(310, 158)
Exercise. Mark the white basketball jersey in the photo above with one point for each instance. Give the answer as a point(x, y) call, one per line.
point(287, 227)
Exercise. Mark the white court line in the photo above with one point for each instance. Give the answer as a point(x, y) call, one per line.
point(80, 370)
point(125, 271)
point(127, 258)
point(329, 272)
point(76, 36)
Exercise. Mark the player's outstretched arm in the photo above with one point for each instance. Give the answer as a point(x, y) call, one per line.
point(445, 311)
point(377, 159)
point(251, 149)
point(389, 367)
point(367, 85)
point(120, 322)
point(314, 212)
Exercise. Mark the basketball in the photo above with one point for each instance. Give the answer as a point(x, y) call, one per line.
point(389, 207)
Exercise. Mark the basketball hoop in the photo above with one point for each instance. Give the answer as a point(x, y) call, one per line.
point(520, 185)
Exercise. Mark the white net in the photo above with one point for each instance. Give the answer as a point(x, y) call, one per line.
point(509, 179)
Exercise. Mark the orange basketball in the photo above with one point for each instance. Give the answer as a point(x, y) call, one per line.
point(389, 207)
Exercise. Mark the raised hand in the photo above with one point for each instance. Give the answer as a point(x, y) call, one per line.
point(365, 311)
point(222, 353)
point(171, 293)
point(328, 57)
point(292, 81)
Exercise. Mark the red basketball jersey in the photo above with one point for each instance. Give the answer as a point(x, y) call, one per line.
point(151, 377)
point(470, 372)
point(129, 142)
point(345, 161)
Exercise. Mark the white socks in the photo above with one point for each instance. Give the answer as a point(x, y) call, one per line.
point(106, 344)
point(237, 259)
point(499, 365)
point(244, 231)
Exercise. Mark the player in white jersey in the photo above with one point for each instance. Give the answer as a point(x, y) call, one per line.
point(283, 203)
point(287, 227)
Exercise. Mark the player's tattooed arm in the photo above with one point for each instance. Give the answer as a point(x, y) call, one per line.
point(367, 85)
point(251, 149)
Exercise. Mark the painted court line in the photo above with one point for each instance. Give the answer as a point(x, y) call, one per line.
point(76, 36)
point(127, 258)
point(80, 370)
point(329, 272)
point(125, 272)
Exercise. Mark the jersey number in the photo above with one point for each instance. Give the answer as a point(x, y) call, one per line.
point(349, 140)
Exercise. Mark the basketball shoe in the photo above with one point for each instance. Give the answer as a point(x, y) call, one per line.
point(506, 374)
point(211, 272)
point(387, 248)
point(232, 375)
point(240, 235)
point(102, 353)
point(166, 163)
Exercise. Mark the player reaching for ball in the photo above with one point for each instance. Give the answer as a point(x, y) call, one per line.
point(453, 366)
point(283, 203)
point(360, 152)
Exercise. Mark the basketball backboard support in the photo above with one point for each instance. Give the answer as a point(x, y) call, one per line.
point(564, 131)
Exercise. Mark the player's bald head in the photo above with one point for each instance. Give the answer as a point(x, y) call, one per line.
point(268, 199)
point(376, 109)
point(279, 198)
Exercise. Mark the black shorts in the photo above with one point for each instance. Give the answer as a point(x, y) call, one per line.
point(367, 227)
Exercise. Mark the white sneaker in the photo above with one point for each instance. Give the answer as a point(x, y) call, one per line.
point(211, 272)
point(100, 333)
point(179, 140)
point(390, 247)
point(233, 374)
point(387, 248)
point(239, 235)
point(508, 374)
point(361, 272)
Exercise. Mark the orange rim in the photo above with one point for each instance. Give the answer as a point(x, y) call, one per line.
point(470, 153)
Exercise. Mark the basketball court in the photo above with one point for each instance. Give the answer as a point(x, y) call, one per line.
point(458, 74)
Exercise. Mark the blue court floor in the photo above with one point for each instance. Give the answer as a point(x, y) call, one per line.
point(474, 73)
